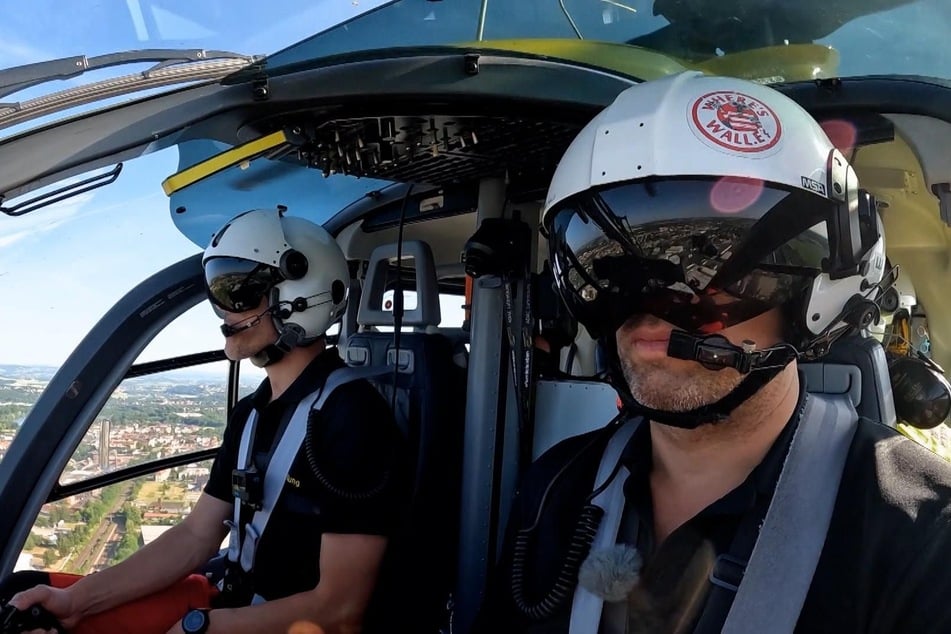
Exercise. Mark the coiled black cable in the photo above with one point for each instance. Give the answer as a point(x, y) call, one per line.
point(578, 548)
point(346, 494)
point(579, 545)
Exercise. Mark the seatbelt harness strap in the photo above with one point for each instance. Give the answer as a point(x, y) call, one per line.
point(244, 461)
point(784, 558)
point(244, 550)
point(786, 553)
point(586, 607)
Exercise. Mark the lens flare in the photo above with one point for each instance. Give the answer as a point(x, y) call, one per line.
point(842, 134)
point(733, 194)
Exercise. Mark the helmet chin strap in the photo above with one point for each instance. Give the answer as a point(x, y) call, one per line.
point(714, 352)
point(289, 337)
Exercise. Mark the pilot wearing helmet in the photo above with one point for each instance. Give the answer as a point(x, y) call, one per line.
point(310, 480)
point(709, 235)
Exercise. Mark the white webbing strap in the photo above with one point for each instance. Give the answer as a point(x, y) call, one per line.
point(244, 460)
point(586, 607)
point(786, 553)
point(279, 466)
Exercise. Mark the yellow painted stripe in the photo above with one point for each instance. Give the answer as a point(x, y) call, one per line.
point(228, 158)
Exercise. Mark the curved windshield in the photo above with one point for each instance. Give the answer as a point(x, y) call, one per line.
point(65, 58)
point(42, 30)
point(905, 37)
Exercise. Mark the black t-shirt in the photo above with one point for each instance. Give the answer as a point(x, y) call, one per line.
point(883, 567)
point(355, 443)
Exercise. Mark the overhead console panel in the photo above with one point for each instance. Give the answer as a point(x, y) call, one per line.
point(435, 149)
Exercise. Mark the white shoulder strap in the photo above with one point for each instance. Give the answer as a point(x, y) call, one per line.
point(586, 607)
point(244, 451)
point(280, 463)
point(786, 553)
point(784, 559)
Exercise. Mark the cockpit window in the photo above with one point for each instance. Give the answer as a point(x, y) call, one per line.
point(866, 37)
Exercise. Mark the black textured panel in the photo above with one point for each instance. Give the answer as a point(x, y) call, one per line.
point(435, 149)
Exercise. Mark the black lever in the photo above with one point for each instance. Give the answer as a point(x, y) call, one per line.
point(36, 617)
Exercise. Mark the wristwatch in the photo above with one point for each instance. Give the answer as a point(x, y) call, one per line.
point(195, 622)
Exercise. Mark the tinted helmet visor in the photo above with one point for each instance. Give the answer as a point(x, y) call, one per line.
point(236, 285)
point(700, 253)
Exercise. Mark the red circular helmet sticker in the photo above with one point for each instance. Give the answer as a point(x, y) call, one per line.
point(737, 122)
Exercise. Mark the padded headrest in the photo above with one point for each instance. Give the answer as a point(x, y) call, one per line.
point(416, 254)
point(855, 364)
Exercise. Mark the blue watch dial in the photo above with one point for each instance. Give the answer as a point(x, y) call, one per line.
point(195, 621)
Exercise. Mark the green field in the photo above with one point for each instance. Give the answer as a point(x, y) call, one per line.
point(152, 492)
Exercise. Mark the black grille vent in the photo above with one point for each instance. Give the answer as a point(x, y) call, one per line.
point(438, 150)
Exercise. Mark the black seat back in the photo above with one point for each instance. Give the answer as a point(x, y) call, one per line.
point(428, 391)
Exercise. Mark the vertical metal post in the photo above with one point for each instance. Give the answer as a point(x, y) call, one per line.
point(485, 421)
point(509, 454)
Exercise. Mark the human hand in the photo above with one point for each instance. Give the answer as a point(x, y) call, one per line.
point(176, 629)
point(305, 627)
point(57, 601)
point(299, 627)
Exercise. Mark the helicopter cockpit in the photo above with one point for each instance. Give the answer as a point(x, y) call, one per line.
point(423, 136)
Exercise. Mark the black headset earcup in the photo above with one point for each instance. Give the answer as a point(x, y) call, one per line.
point(293, 264)
point(868, 219)
point(337, 291)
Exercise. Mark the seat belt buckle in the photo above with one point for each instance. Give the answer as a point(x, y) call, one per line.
point(234, 541)
point(727, 572)
point(247, 485)
point(236, 587)
point(249, 547)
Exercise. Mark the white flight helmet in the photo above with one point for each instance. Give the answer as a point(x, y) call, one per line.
point(293, 262)
point(691, 185)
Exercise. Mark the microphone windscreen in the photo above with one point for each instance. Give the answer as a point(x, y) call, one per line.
point(611, 573)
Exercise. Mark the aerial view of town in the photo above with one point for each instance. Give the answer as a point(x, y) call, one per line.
point(146, 418)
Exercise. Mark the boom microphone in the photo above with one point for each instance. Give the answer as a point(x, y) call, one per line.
point(716, 352)
point(230, 330)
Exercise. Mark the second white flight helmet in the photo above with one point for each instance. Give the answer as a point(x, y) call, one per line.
point(691, 185)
